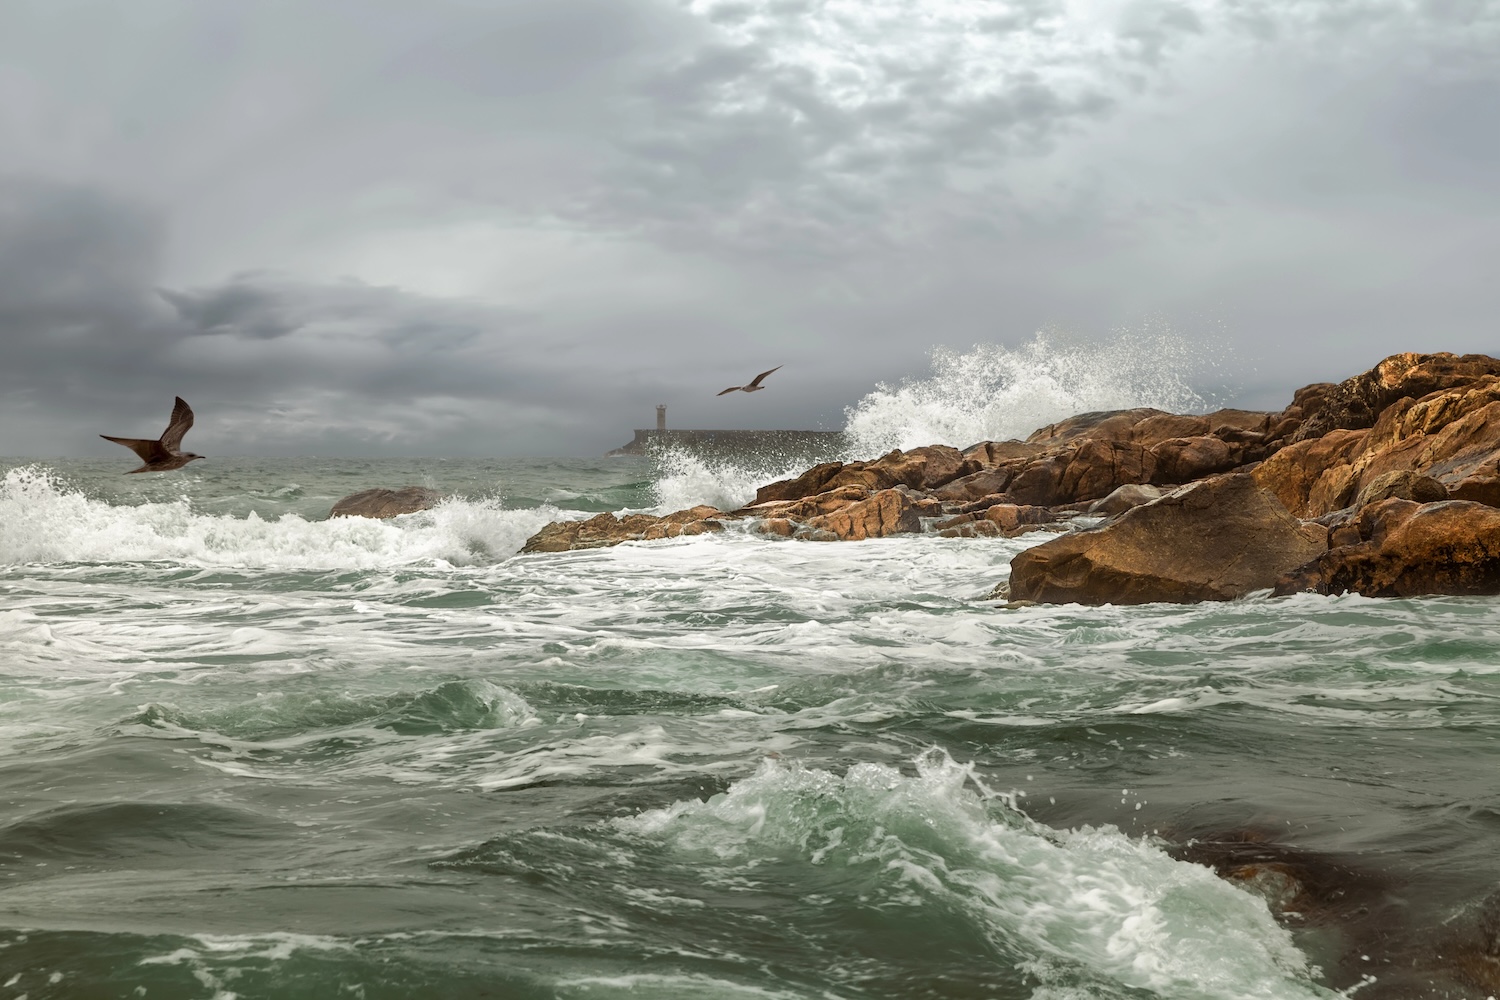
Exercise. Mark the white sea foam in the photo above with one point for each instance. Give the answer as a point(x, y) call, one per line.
point(990, 393)
point(44, 521)
point(1095, 901)
point(993, 393)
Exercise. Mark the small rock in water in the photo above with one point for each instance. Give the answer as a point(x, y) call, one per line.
point(382, 503)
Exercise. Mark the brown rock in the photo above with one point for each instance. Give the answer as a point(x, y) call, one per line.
point(888, 512)
point(382, 503)
point(1015, 519)
point(985, 482)
point(1357, 402)
point(992, 453)
point(1402, 485)
point(606, 529)
point(1213, 540)
point(920, 468)
point(1183, 459)
point(1315, 476)
point(1124, 498)
point(1407, 549)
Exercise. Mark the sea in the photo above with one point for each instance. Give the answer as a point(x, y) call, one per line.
point(250, 752)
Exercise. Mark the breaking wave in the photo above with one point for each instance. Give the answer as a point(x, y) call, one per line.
point(1074, 908)
point(994, 393)
point(990, 393)
point(42, 520)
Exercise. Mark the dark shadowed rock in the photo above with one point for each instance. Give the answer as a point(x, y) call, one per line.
point(1405, 549)
point(1213, 540)
point(920, 468)
point(382, 503)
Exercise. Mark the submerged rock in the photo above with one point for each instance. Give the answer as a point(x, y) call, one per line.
point(382, 503)
point(1405, 549)
point(1214, 540)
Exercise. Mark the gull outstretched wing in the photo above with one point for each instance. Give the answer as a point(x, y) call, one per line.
point(181, 422)
point(755, 382)
point(733, 388)
point(149, 451)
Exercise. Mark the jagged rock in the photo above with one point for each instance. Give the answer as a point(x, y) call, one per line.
point(888, 512)
point(1313, 477)
point(1451, 435)
point(1213, 540)
point(1406, 549)
point(606, 529)
point(1358, 402)
point(985, 482)
point(920, 468)
point(1005, 519)
point(1124, 498)
point(1401, 485)
point(992, 453)
point(383, 503)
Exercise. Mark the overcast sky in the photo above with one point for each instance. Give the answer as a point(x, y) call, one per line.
point(512, 227)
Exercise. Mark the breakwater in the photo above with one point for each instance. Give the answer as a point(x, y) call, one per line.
point(815, 443)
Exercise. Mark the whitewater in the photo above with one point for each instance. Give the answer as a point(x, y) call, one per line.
point(246, 751)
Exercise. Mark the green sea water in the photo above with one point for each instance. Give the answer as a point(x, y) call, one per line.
point(249, 752)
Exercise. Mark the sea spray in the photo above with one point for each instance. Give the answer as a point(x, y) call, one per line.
point(994, 393)
point(990, 393)
point(43, 520)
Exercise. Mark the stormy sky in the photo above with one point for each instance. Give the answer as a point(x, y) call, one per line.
point(512, 227)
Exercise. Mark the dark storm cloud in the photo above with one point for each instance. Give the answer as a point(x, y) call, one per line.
point(454, 226)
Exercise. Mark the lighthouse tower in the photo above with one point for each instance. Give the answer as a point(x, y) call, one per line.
point(661, 418)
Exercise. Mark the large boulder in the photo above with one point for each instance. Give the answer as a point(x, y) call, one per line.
point(1213, 540)
point(606, 529)
point(1405, 548)
point(382, 503)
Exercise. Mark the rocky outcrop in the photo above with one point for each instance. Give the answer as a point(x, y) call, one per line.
point(921, 468)
point(888, 512)
point(1214, 540)
point(1401, 548)
point(382, 503)
point(1417, 428)
point(1359, 401)
point(606, 529)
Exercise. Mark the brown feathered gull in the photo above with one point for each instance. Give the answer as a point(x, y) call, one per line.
point(163, 454)
point(754, 384)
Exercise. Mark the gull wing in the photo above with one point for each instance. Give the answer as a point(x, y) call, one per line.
point(733, 388)
point(150, 451)
point(181, 422)
point(756, 381)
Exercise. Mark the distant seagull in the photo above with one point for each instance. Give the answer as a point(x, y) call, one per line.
point(162, 455)
point(754, 385)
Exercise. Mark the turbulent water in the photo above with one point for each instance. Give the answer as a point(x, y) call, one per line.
point(249, 752)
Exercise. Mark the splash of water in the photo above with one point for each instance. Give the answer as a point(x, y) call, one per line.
point(990, 393)
point(993, 393)
point(44, 521)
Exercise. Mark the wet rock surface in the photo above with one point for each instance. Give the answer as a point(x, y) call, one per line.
point(383, 503)
point(1214, 540)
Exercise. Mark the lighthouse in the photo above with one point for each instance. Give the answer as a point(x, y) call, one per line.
point(661, 418)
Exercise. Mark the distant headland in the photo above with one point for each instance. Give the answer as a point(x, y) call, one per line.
point(728, 440)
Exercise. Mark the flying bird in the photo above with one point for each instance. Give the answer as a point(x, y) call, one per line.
point(754, 385)
point(162, 455)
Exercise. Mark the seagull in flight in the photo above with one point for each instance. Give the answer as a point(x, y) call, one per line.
point(163, 454)
point(754, 385)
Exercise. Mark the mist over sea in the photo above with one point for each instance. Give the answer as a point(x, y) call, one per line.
point(249, 752)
